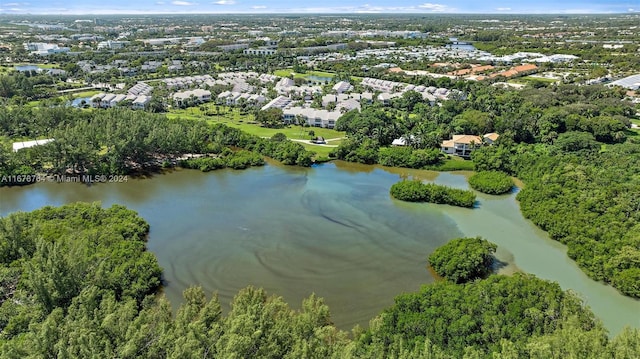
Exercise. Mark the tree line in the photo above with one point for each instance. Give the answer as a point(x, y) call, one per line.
point(121, 141)
point(583, 195)
point(532, 115)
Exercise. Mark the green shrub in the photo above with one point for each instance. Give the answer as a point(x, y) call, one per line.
point(408, 157)
point(416, 191)
point(491, 182)
point(236, 160)
point(463, 259)
point(452, 165)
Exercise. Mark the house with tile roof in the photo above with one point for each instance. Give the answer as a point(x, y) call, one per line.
point(461, 145)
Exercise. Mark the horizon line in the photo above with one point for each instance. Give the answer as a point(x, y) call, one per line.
point(324, 13)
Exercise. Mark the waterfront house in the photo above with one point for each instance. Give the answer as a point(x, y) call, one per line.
point(490, 138)
point(461, 145)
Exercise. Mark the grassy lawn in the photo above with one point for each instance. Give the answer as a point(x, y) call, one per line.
point(65, 98)
point(454, 163)
point(43, 66)
point(322, 152)
point(528, 79)
point(85, 93)
point(233, 118)
point(287, 72)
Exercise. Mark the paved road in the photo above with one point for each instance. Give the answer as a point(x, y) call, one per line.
point(319, 144)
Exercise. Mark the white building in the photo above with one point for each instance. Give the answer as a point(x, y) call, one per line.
point(342, 87)
point(630, 83)
point(260, 51)
point(310, 116)
point(112, 45)
point(198, 95)
point(141, 102)
point(43, 49)
point(27, 144)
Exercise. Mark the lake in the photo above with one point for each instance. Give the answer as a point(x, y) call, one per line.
point(77, 102)
point(315, 78)
point(331, 229)
point(23, 68)
point(460, 45)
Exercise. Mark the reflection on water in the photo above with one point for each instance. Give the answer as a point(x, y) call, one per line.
point(331, 229)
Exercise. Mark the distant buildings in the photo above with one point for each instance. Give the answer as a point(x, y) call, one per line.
point(197, 96)
point(43, 49)
point(112, 45)
point(260, 51)
point(342, 87)
point(234, 47)
point(108, 100)
point(140, 88)
point(630, 82)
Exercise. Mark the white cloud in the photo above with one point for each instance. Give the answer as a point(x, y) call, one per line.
point(160, 2)
point(503, 9)
point(434, 7)
point(225, 2)
point(258, 7)
point(182, 3)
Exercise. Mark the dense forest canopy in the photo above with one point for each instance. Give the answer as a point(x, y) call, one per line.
point(584, 198)
point(531, 115)
point(121, 141)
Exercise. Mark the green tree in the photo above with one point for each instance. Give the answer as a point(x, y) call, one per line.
point(463, 259)
point(491, 182)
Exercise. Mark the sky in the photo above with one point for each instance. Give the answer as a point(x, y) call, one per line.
point(318, 6)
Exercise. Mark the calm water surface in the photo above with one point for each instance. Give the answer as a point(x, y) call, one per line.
point(331, 230)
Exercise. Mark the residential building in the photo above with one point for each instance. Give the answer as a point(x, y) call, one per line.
point(112, 45)
point(630, 82)
point(141, 102)
point(261, 51)
point(197, 95)
point(43, 49)
point(461, 145)
point(278, 102)
point(342, 87)
point(310, 116)
point(491, 138)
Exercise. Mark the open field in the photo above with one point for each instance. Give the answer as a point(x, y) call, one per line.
point(86, 93)
point(43, 66)
point(454, 163)
point(288, 72)
point(532, 79)
point(245, 122)
point(63, 98)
